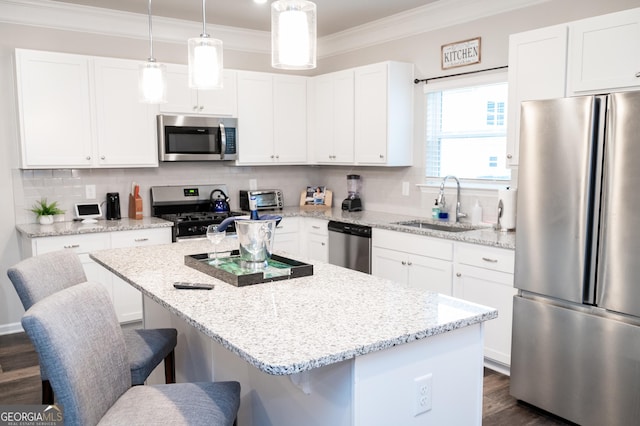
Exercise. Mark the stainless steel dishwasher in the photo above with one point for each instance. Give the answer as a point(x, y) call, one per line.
point(350, 246)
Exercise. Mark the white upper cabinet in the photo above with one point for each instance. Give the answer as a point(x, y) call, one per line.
point(272, 119)
point(183, 100)
point(79, 111)
point(54, 109)
point(333, 135)
point(384, 114)
point(125, 127)
point(603, 53)
point(290, 119)
point(537, 70)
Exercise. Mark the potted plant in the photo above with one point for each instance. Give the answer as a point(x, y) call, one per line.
point(46, 211)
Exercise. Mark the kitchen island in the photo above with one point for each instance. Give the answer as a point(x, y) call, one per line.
point(335, 348)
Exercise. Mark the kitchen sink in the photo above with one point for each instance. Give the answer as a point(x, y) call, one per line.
point(424, 224)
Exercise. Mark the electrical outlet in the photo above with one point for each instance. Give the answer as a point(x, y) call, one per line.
point(90, 192)
point(423, 394)
point(253, 184)
point(405, 189)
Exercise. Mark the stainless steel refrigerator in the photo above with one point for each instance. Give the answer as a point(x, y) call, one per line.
point(576, 318)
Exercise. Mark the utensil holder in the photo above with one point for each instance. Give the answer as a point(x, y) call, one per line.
point(135, 207)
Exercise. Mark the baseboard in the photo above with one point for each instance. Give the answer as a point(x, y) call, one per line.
point(15, 327)
point(497, 366)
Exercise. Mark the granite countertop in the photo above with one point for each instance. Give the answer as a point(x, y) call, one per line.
point(290, 326)
point(485, 236)
point(35, 230)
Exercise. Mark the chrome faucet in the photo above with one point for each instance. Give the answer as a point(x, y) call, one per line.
point(442, 202)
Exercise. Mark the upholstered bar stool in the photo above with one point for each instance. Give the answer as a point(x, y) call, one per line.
point(38, 277)
point(75, 331)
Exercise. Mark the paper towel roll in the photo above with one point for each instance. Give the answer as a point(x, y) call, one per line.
point(508, 197)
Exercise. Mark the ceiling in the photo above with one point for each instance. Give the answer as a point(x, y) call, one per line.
point(333, 15)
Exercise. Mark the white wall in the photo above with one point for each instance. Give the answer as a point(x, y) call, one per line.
point(381, 186)
point(10, 306)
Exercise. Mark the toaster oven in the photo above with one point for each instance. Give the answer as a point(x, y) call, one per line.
point(266, 199)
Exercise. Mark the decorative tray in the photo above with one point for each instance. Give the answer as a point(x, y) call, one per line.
point(233, 270)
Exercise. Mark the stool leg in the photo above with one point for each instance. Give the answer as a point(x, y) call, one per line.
point(47, 393)
point(170, 368)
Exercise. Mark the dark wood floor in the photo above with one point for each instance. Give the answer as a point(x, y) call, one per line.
point(20, 384)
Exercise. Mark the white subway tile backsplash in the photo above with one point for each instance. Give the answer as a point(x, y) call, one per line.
point(45, 174)
point(381, 187)
point(61, 173)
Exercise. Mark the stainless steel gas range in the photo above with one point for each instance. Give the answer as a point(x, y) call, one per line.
point(192, 208)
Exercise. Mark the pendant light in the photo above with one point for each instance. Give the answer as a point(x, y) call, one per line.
point(293, 34)
point(205, 59)
point(152, 81)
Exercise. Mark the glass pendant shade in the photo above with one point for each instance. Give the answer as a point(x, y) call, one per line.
point(293, 34)
point(153, 83)
point(205, 63)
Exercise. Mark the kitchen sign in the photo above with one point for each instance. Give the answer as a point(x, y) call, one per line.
point(461, 53)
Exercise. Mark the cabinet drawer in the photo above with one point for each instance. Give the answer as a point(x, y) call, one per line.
point(140, 237)
point(414, 244)
point(78, 243)
point(485, 257)
point(288, 225)
point(316, 226)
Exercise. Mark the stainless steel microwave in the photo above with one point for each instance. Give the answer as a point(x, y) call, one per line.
point(197, 138)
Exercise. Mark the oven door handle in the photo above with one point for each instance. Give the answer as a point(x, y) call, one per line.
point(223, 141)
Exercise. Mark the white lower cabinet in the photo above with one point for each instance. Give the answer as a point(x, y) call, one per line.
point(472, 272)
point(421, 262)
point(127, 300)
point(484, 275)
point(287, 237)
point(315, 238)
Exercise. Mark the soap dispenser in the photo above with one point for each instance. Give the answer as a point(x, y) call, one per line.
point(435, 210)
point(476, 214)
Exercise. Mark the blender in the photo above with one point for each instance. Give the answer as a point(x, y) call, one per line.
point(353, 203)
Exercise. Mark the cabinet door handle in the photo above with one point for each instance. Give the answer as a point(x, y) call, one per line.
point(638, 74)
point(88, 157)
point(458, 274)
point(315, 226)
point(487, 259)
point(201, 107)
point(140, 240)
point(195, 107)
point(322, 244)
point(277, 156)
point(72, 246)
point(102, 157)
point(403, 262)
point(409, 263)
point(509, 156)
point(381, 156)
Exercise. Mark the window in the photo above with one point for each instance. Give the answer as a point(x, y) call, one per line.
point(467, 129)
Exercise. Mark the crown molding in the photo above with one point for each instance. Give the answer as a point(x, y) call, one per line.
point(95, 20)
point(88, 19)
point(430, 17)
